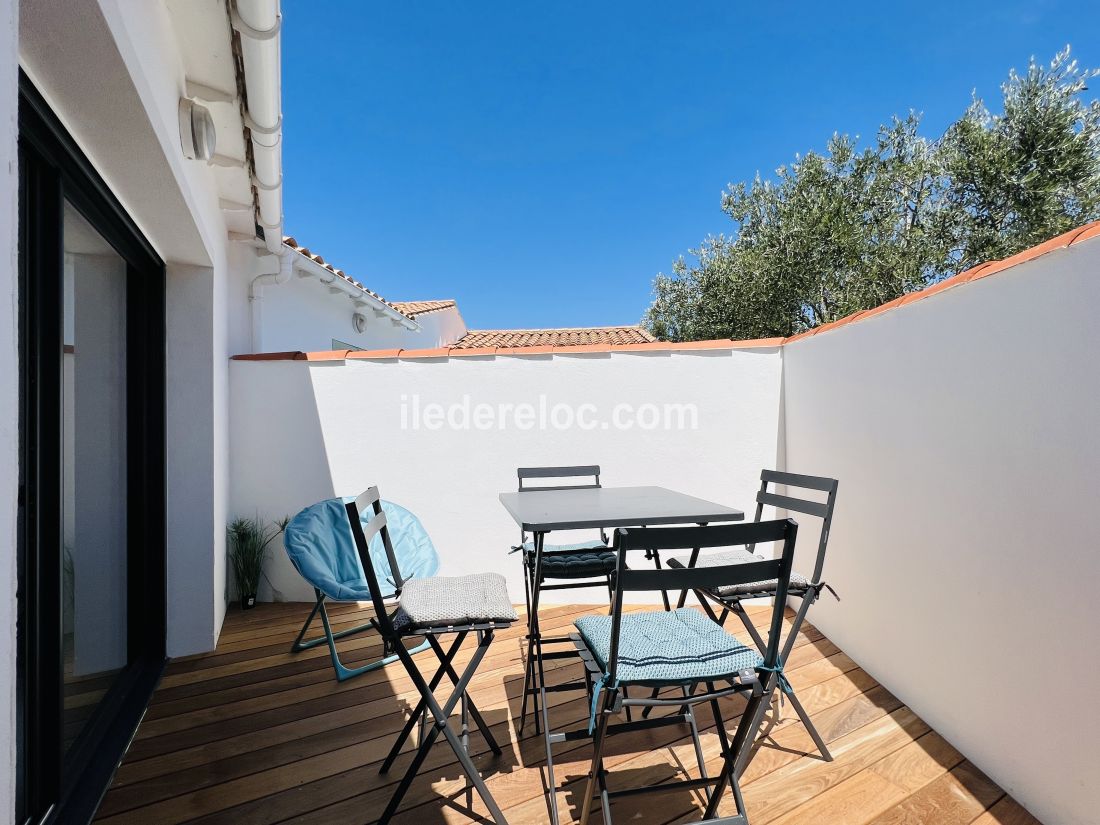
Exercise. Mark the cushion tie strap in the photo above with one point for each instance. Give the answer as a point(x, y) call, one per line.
point(819, 585)
point(777, 669)
point(601, 683)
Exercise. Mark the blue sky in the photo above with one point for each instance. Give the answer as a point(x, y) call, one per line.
point(542, 162)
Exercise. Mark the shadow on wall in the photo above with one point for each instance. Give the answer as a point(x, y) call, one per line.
point(277, 446)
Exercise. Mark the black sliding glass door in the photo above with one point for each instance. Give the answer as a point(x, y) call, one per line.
point(91, 528)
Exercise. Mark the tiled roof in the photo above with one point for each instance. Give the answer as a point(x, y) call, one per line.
point(339, 273)
point(467, 348)
point(572, 337)
point(414, 308)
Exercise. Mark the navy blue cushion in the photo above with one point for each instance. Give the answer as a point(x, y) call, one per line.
point(573, 561)
point(577, 565)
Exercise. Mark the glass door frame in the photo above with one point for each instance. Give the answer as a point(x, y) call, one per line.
point(52, 786)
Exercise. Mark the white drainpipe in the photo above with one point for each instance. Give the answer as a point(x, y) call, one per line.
point(258, 22)
point(283, 264)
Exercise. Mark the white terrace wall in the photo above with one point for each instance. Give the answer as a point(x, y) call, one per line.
point(964, 431)
point(304, 431)
point(302, 314)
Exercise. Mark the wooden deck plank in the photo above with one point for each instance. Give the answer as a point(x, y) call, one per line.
point(1006, 812)
point(254, 735)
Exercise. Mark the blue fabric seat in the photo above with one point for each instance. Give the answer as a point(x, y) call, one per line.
point(659, 648)
point(320, 546)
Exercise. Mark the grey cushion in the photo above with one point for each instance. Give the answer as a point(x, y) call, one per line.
point(738, 555)
point(439, 601)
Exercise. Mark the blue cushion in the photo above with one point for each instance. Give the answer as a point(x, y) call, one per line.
point(594, 544)
point(659, 648)
point(319, 543)
point(571, 561)
point(578, 565)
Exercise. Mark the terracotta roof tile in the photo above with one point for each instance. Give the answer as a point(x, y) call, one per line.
point(471, 351)
point(434, 352)
point(414, 308)
point(570, 337)
point(373, 354)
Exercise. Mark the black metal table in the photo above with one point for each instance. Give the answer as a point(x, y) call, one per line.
point(542, 511)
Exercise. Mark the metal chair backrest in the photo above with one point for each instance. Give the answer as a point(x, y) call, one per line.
point(696, 578)
point(579, 471)
point(822, 510)
point(586, 471)
point(362, 536)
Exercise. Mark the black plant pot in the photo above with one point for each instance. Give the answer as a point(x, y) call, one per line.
point(248, 602)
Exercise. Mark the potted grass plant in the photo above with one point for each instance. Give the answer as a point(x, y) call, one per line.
point(248, 542)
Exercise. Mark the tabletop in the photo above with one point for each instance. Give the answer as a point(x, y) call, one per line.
point(540, 511)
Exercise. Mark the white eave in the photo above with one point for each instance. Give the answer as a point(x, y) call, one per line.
point(338, 284)
point(258, 23)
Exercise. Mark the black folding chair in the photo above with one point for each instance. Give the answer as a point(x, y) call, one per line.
point(685, 649)
point(731, 598)
point(584, 564)
point(431, 607)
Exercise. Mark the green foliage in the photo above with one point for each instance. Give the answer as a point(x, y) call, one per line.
point(1028, 174)
point(249, 539)
point(852, 228)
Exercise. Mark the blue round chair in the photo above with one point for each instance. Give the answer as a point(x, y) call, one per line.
point(319, 543)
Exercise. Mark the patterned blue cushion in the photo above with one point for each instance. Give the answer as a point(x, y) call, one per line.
point(659, 648)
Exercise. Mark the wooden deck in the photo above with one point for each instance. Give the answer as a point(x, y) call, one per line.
point(253, 734)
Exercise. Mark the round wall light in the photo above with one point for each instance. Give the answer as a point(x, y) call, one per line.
point(197, 133)
point(359, 321)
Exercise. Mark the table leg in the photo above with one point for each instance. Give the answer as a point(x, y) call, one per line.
point(534, 644)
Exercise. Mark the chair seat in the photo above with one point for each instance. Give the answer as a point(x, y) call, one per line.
point(740, 555)
point(573, 561)
point(659, 648)
point(445, 601)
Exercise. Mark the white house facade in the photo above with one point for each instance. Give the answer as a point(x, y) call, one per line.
point(137, 191)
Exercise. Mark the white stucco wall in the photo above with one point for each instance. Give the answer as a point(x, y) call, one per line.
point(303, 315)
point(9, 395)
point(438, 329)
point(305, 431)
point(963, 429)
